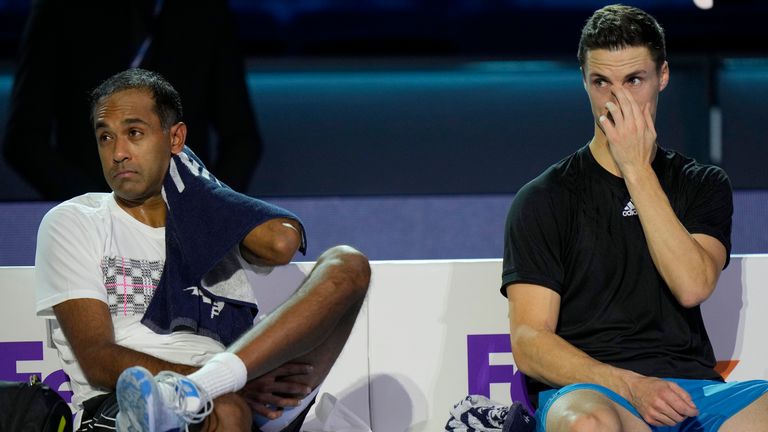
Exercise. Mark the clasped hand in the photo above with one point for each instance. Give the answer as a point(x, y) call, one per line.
point(281, 388)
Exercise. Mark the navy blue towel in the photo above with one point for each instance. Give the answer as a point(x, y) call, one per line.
point(205, 223)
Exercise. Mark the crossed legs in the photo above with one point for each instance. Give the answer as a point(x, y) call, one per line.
point(292, 350)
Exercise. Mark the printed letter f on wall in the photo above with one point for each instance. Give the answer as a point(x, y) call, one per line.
point(481, 373)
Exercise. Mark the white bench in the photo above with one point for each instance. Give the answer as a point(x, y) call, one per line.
point(430, 333)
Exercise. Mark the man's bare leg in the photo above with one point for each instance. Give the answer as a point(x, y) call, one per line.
point(753, 417)
point(291, 382)
point(230, 413)
point(310, 328)
point(313, 325)
point(286, 393)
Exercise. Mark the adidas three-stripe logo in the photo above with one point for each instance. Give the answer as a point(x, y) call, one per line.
point(629, 209)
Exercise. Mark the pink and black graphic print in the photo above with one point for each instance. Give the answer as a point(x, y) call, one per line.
point(130, 284)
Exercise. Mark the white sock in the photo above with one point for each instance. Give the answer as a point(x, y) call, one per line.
point(223, 373)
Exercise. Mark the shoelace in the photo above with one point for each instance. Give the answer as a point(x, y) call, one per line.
point(173, 379)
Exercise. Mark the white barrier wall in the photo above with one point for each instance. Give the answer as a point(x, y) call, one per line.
point(430, 333)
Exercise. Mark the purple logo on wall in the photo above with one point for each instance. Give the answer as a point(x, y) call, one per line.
point(482, 374)
point(13, 352)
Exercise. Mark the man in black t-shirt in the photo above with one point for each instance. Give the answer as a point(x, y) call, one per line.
point(610, 252)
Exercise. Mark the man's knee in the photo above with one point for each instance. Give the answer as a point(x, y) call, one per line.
point(583, 411)
point(350, 262)
point(592, 421)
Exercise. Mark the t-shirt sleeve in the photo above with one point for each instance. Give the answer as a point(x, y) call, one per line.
point(532, 246)
point(67, 261)
point(711, 210)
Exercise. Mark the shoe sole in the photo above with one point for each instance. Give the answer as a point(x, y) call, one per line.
point(135, 398)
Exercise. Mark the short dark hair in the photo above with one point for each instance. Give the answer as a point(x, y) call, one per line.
point(167, 99)
point(617, 26)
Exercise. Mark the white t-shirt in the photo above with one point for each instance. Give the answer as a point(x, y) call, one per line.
point(89, 247)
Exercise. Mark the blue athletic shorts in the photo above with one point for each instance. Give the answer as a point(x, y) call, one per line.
point(716, 402)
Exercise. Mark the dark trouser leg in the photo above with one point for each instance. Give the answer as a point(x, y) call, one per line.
point(100, 413)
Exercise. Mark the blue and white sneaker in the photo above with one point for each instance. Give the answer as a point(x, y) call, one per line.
point(167, 402)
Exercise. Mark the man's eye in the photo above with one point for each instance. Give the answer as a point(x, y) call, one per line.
point(599, 83)
point(635, 81)
point(135, 133)
point(104, 138)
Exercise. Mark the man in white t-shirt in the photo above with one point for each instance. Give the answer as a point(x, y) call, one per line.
point(100, 257)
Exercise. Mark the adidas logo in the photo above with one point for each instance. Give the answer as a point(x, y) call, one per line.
point(629, 209)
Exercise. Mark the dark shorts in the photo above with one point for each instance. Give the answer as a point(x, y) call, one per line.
point(100, 412)
point(716, 401)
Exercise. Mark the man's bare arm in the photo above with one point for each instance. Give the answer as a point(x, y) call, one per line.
point(274, 242)
point(87, 325)
point(689, 264)
point(546, 357)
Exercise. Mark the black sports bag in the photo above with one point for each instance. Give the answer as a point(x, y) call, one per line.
point(32, 407)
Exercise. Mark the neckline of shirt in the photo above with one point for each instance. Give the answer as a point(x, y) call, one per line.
point(616, 181)
point(120, 212)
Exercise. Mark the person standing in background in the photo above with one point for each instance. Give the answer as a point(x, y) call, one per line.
point(193, 44)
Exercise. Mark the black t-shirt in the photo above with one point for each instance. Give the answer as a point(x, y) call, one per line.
point(574, 230)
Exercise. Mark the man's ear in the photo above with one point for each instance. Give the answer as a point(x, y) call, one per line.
point(583, 78)
point(178, 134)
point(663, 76)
